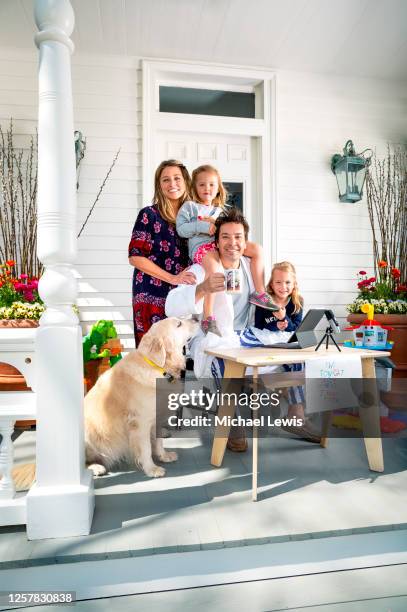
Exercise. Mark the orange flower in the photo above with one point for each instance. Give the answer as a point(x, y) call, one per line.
point(382, 264)
point(10, 263)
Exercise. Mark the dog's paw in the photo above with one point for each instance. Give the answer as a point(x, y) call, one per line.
point(168, 457)
point(97, 469)
point(155, 472)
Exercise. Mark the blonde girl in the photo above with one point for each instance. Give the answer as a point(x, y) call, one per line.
point(283, 290)
point(196, 221)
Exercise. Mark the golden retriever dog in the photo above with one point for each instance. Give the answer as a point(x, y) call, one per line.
point(120, 419)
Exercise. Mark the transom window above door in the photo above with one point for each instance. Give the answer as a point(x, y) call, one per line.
point(223, 116)
point(220, 103)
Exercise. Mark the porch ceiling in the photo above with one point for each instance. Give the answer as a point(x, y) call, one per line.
point(365, 38)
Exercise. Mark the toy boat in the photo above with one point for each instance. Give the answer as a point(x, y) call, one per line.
point(369, 334)
point(387, 347)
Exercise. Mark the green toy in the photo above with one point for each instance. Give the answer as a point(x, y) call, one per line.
point(92, 343)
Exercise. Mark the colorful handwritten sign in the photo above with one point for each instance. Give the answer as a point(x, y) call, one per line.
point(329, 382)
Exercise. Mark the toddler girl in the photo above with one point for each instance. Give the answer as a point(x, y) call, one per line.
point(196, 221)
point(283, 290)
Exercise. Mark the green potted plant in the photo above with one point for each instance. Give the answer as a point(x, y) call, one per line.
point(386, 188)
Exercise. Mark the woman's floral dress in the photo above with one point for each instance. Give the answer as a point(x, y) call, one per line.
point(156, 239)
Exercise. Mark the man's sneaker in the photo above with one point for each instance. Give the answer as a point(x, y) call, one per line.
point(304, 432)
point(237, 445)
point(209, 325)
point(263, 300)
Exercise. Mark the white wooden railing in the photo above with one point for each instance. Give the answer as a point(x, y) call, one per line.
point(16, 349)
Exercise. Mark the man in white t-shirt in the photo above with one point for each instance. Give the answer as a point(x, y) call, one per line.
point(233, 311)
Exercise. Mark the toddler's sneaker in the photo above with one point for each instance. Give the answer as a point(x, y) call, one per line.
point(263, 300)
point(209, 325)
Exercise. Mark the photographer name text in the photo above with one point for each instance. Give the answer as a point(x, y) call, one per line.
point(233, 421)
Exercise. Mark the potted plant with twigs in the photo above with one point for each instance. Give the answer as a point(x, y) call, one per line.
point(20, 268)
point(20, 304)
point(386, 189)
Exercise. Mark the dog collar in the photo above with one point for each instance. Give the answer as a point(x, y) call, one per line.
point(166, 375)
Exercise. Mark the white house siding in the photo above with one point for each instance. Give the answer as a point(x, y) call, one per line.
point(328, 241)
point(107, 107)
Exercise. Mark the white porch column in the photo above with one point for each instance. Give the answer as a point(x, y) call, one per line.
point(61, 502)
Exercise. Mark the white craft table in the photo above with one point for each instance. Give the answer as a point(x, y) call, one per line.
point(238, 359)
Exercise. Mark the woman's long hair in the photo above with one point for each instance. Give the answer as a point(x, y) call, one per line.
point(163, 204)
point(221, 196)
point(286, 266)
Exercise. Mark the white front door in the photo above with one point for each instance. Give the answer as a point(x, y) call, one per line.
point(232, 155)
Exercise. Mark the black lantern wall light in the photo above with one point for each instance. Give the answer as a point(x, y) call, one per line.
point(350, 171)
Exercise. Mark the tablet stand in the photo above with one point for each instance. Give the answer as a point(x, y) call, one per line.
point(329, 335)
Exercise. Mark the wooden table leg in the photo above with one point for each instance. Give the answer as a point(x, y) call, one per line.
point(255, 444)
point(325, 425)
point(370, 418)
point(232, 370)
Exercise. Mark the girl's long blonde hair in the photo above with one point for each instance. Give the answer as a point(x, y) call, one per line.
point(286, 266)
point(221, 196)
point(163, 204)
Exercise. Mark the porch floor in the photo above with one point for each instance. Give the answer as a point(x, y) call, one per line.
point(305, 492)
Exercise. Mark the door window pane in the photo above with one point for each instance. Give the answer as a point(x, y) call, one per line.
point(207, 102)
point(235, 194)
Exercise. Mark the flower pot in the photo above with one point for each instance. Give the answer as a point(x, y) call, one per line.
point(93, 369)
point(19, 323)
point(11, 379)
point(396, 398)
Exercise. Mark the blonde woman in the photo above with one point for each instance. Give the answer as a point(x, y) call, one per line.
point(158, 254)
